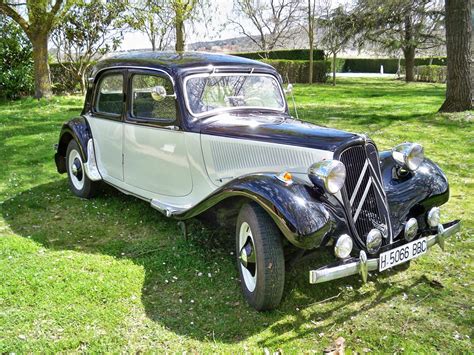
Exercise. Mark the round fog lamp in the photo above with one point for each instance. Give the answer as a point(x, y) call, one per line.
point(433, 217)
point(374, 241)
point(343, 246)
point(411, 227)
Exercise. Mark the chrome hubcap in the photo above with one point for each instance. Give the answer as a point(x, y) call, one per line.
point(247, 256)
point(76, 169)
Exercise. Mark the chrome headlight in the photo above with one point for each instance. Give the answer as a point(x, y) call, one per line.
point(328, 174)
point(409, 155)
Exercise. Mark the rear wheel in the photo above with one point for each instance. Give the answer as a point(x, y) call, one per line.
point(260, 258)
point(79, 182)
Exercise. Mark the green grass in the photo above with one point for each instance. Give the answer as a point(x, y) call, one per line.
point(112, 274)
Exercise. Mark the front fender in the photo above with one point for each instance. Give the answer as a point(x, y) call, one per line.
point(302, 217)
point(415, 194)
point(78, 129)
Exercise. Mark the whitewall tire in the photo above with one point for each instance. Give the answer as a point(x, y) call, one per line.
point(260, 258)
point(79, 182)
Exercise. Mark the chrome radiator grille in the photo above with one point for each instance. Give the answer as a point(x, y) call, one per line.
point(363, 192)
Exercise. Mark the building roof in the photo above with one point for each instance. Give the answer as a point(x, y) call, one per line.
point(174, 61)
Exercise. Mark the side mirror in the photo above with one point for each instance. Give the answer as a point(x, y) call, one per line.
point(289, 89)
point(158, 93)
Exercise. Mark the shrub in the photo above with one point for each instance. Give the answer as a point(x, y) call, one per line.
point(63, 82)
point(431, 73)
point(288, 54)
point(16, 62)
point(297, 71)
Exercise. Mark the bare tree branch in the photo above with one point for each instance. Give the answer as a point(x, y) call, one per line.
point(8, 10)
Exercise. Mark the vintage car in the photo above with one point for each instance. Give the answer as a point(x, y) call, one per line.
point(194, 133)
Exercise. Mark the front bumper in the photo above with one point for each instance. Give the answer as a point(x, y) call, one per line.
point(362, 265)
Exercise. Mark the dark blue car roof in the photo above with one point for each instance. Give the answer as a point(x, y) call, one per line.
point(174, 62)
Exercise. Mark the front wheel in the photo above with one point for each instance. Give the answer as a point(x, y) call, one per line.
point(260, 258)
point(79, 182)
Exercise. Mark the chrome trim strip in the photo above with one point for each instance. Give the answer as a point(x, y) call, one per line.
point(137, 67)
point(362, 200)
point(383, 195)
point(362, 266)
point(359, 182)
point(378, 183)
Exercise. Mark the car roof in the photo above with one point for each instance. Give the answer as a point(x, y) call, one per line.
point(174, 62)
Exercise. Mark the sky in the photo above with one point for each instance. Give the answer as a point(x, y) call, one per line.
point(221, 10)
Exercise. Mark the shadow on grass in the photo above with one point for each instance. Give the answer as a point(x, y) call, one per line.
point(190, 286)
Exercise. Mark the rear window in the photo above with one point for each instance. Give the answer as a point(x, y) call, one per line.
point(109, 98)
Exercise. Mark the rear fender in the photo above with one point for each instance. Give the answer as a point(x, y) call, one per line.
point(79, 130)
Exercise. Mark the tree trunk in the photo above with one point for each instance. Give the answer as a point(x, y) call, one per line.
point(409, 50)
point(409, 53)
point(311, 42)
point(179, 23)
point(41, 66)
point(311, 63)
point(458, 40)
point(334, 69)
point(83, 82)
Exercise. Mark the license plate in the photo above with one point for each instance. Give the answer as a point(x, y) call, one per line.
point(402, 254)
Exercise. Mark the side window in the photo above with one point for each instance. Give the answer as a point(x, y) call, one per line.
point(110, 94)
point(152, 98)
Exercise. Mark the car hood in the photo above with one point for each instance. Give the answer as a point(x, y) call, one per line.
point(281, 129)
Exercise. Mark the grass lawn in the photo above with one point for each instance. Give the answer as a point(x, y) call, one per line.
point(112, 274)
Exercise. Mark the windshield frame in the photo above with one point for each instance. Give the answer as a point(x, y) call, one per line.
point(227, 109)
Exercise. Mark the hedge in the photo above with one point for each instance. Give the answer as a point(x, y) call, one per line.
point(297, 71)
point(431, 73)
point(287, 54)
point(63, 82)
point(390, 65)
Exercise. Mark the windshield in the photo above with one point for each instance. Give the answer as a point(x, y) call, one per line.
point(216, 92)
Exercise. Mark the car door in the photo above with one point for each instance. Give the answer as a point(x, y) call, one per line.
point(154, 147)
point(106, 122)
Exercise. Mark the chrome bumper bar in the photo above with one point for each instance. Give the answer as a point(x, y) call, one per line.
point(364, 265)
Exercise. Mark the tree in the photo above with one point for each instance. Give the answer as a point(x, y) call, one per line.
point(338, 29)
point(183, 10)
point(273, 20)
point(16, 63)
point(408, 25)
point(156, 19)
point(310, 26)
point(37, 18)
point(88, 31)
point(458, 41)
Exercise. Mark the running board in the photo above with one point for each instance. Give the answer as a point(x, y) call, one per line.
point(167, 210)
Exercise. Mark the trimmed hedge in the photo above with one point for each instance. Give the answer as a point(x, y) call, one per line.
point(390, 65)
point(297, 71)
point(287, 54)
point(431, 73)
point(369, 65)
